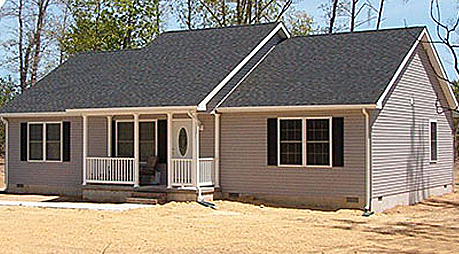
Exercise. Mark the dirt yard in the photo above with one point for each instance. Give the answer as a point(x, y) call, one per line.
point(429, 227)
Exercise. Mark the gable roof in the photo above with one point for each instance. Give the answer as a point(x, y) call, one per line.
point(337, 69)
point(178, 68)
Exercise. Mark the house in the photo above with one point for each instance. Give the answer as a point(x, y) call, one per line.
point(349, 120)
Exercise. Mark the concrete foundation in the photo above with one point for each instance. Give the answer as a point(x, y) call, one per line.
point(72, 191)
point(379, 204)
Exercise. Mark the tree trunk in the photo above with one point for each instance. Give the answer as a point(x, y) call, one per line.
point(333, 16)
point(353, 5)
point(42, 8)
point(22, 72)
point(381, 7)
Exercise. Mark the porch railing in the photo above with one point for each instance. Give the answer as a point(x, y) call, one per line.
point(206, 171)
point(182, 172)
point(110, 170)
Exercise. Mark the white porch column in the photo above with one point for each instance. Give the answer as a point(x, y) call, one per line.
point(85, 146)
point(217, 150)
point(109, 136)
point(194, 164)
point(6, 162)
point(136, 151)
point(169, 150)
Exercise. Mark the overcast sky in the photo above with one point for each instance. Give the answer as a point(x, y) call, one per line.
point(397, 13)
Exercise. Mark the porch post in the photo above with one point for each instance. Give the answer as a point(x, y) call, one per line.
point(169, 150)
point(136, 151)
point(217, 150)
point(85, 146)
point(109, 136)
point(194, 164)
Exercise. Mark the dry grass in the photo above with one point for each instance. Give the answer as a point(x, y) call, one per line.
point(429, 227)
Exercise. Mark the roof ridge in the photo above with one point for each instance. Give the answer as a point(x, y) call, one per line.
point(217, 28)
point(360, 32)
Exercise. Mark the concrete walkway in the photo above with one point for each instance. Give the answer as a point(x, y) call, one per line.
point(71, 205)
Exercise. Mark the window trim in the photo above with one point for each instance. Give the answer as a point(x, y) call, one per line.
point(61, 141)
point(132, 121)
point(430, 140)
point(304, 141)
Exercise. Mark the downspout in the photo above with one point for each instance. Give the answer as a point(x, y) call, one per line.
point(367, 211)
point(5, 121)
point(196, 129)
point(200, 198)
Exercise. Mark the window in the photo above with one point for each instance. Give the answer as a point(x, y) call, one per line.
point(183, 142)
point(147, 140)
point(125, 139)
point(318, 142)
point(433, 141)
point(306, 141)
point(290, 140)
point(45, 141)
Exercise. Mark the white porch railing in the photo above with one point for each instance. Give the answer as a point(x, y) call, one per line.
point(181, 172)
point(110, 170)
point(206, 171)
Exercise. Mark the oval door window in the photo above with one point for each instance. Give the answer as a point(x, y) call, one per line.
point(183, 141)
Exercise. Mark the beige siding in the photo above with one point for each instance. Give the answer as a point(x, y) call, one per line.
point(400, 134)
point(206, 136)
point(244, 166)
point(97, 136)
point(65, 174)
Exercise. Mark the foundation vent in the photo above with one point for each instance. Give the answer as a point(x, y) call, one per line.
point(20, 185)
point(233, 195)
point(352, 200)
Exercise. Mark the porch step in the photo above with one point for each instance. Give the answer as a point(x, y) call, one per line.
point(143, 201)
point(157, 195)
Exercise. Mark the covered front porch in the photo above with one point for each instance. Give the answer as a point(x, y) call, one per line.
point(155, 151)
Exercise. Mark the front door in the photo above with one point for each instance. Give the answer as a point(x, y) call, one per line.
point(181, 139)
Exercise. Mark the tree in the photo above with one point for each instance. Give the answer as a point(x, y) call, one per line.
point(380, 12)
point(28, 39)
point(7, 92)
point(333, 16)
point(299, 23)
point(100, 25)
point(220, 13)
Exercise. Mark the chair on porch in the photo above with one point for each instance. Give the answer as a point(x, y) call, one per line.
point(149, 173)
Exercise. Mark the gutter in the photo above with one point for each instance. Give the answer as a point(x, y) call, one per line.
point(368, 180)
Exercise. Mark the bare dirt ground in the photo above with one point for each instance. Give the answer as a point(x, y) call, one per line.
point(429, 227)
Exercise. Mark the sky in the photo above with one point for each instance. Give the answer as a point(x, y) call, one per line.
point(397, 13)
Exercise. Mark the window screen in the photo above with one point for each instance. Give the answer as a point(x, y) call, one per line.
point(291, 150)
point(318, 142)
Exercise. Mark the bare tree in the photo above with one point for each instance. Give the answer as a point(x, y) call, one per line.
point(26, 43)
point(333, 16)
point(380, 12)
point(353, 14)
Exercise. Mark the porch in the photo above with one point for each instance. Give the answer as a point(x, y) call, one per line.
point(118, 150)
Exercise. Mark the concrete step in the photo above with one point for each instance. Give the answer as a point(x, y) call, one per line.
point(157, 195)
point(143, 201)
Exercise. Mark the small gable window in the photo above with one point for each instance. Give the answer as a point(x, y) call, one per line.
point(433, 141)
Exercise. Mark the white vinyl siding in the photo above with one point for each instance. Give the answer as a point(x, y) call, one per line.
point(401, 134)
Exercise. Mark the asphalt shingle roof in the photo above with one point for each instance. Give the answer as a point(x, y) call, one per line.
point(346, 68)
point(176, 69)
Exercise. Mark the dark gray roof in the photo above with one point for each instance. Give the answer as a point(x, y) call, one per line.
point(346, 68)
point(176, 69)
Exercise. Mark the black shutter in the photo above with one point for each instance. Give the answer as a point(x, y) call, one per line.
point(162, 141)
point(113, 139)
point(272, 141)
point(66, 141)
point(338, 141)
point(23, 141)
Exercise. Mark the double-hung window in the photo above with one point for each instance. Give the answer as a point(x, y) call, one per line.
point(318, 141)
point(290, 141)
point(45, 141)
point(125, 139)
point(306, 142)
